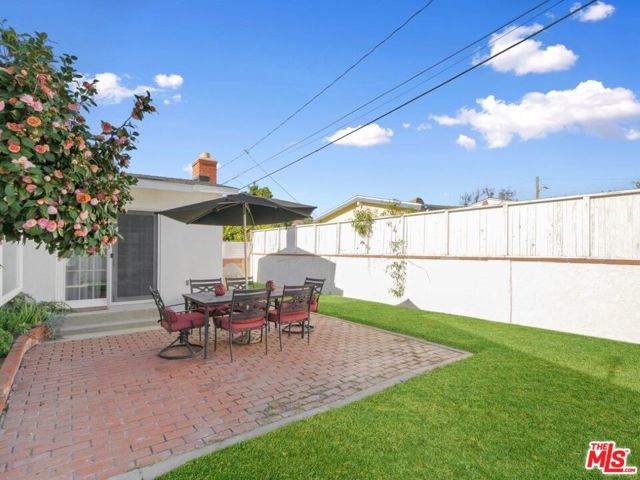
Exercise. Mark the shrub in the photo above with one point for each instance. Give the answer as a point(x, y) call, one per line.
point(6, 340)
point(61, 185)
point(23, 313)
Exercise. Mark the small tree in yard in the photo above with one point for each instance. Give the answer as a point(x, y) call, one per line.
point(61, 186)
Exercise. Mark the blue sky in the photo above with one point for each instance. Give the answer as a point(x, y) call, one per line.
point(244, 66)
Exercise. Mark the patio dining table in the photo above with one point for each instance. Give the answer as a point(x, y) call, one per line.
point(208, 301)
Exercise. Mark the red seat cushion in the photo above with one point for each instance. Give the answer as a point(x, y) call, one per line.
point(240, 325)
point(182, 320)
point(291, 317)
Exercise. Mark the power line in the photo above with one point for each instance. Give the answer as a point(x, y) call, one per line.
point(334, 81)
point(265, 171)
point(432, 89)
point(413, 77)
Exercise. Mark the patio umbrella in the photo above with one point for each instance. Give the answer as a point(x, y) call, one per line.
point(240, 209)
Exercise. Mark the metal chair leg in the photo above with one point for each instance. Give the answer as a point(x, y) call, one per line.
point(230, 345)
point(215, 337)
point(266, 340)
point(280, 335)
point(308, 332)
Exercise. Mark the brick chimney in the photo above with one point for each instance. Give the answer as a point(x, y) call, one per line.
point(205, 169)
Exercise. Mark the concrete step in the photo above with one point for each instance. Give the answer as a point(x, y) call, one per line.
point(107, 322)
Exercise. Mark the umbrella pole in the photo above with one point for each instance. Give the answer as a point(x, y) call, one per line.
point(244, 231)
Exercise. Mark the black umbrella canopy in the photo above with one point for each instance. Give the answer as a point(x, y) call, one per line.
point(228, 210)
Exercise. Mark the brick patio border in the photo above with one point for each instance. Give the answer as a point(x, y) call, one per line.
point(12, 363)
point(164, 466)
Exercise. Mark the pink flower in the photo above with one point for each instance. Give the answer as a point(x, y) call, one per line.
point(28, 99)
point(1, 105)
point(23, 162)
point(37, 106)
point(29, 224)
point(27, 179)
point(51, 226)
point(84, 215)
point(77, 226)
point(47, 178)
point(94, 201)
point(60, 223)
point(51, 210)
point(74, 107)
point(81, 233)
point(58, 174)
point(95, 227)
point(31, 188)
point(43, 222)
point(92, 250)
point(94, 168)
point(56, 124)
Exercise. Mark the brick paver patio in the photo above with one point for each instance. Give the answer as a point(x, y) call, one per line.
point(99, 407)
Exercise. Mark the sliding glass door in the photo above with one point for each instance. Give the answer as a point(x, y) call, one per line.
point(135, 257)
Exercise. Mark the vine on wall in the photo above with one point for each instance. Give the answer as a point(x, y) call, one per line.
point(362, 223)
point(397, 270)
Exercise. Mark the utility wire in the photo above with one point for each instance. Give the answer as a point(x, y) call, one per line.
point(272, 178)
point(333, 82)
point(293, 146)
point(432, 89)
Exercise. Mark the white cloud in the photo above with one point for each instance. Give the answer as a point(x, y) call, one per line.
point(169, 81)
point(369, 136)
point(590, 108)
point(528, 57)
point(111, 90)
point(187, 168)
point(465, 142)
point(423, 126)
point(593, 13)
point(177, 98)
point(406, 125)
point(632, 134)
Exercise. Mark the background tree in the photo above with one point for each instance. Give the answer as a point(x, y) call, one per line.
point(234, 233)
point(61, 186)
point(469, 198)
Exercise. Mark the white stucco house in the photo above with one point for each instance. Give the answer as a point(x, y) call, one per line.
point(155, 250)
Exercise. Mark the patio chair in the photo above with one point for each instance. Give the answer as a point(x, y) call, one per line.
point(293, 307)
point(236, 282)
point(207, 285)
point(182, 322)
point(204, 285)
point(318, 284)
point(248, 312)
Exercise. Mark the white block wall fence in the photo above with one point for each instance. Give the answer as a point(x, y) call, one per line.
point(570, 264)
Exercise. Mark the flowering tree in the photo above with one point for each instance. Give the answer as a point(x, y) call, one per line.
point(61, 186)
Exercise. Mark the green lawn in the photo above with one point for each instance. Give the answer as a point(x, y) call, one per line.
point(525, 405)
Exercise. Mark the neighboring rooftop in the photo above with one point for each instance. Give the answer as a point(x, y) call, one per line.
point(416, 205)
